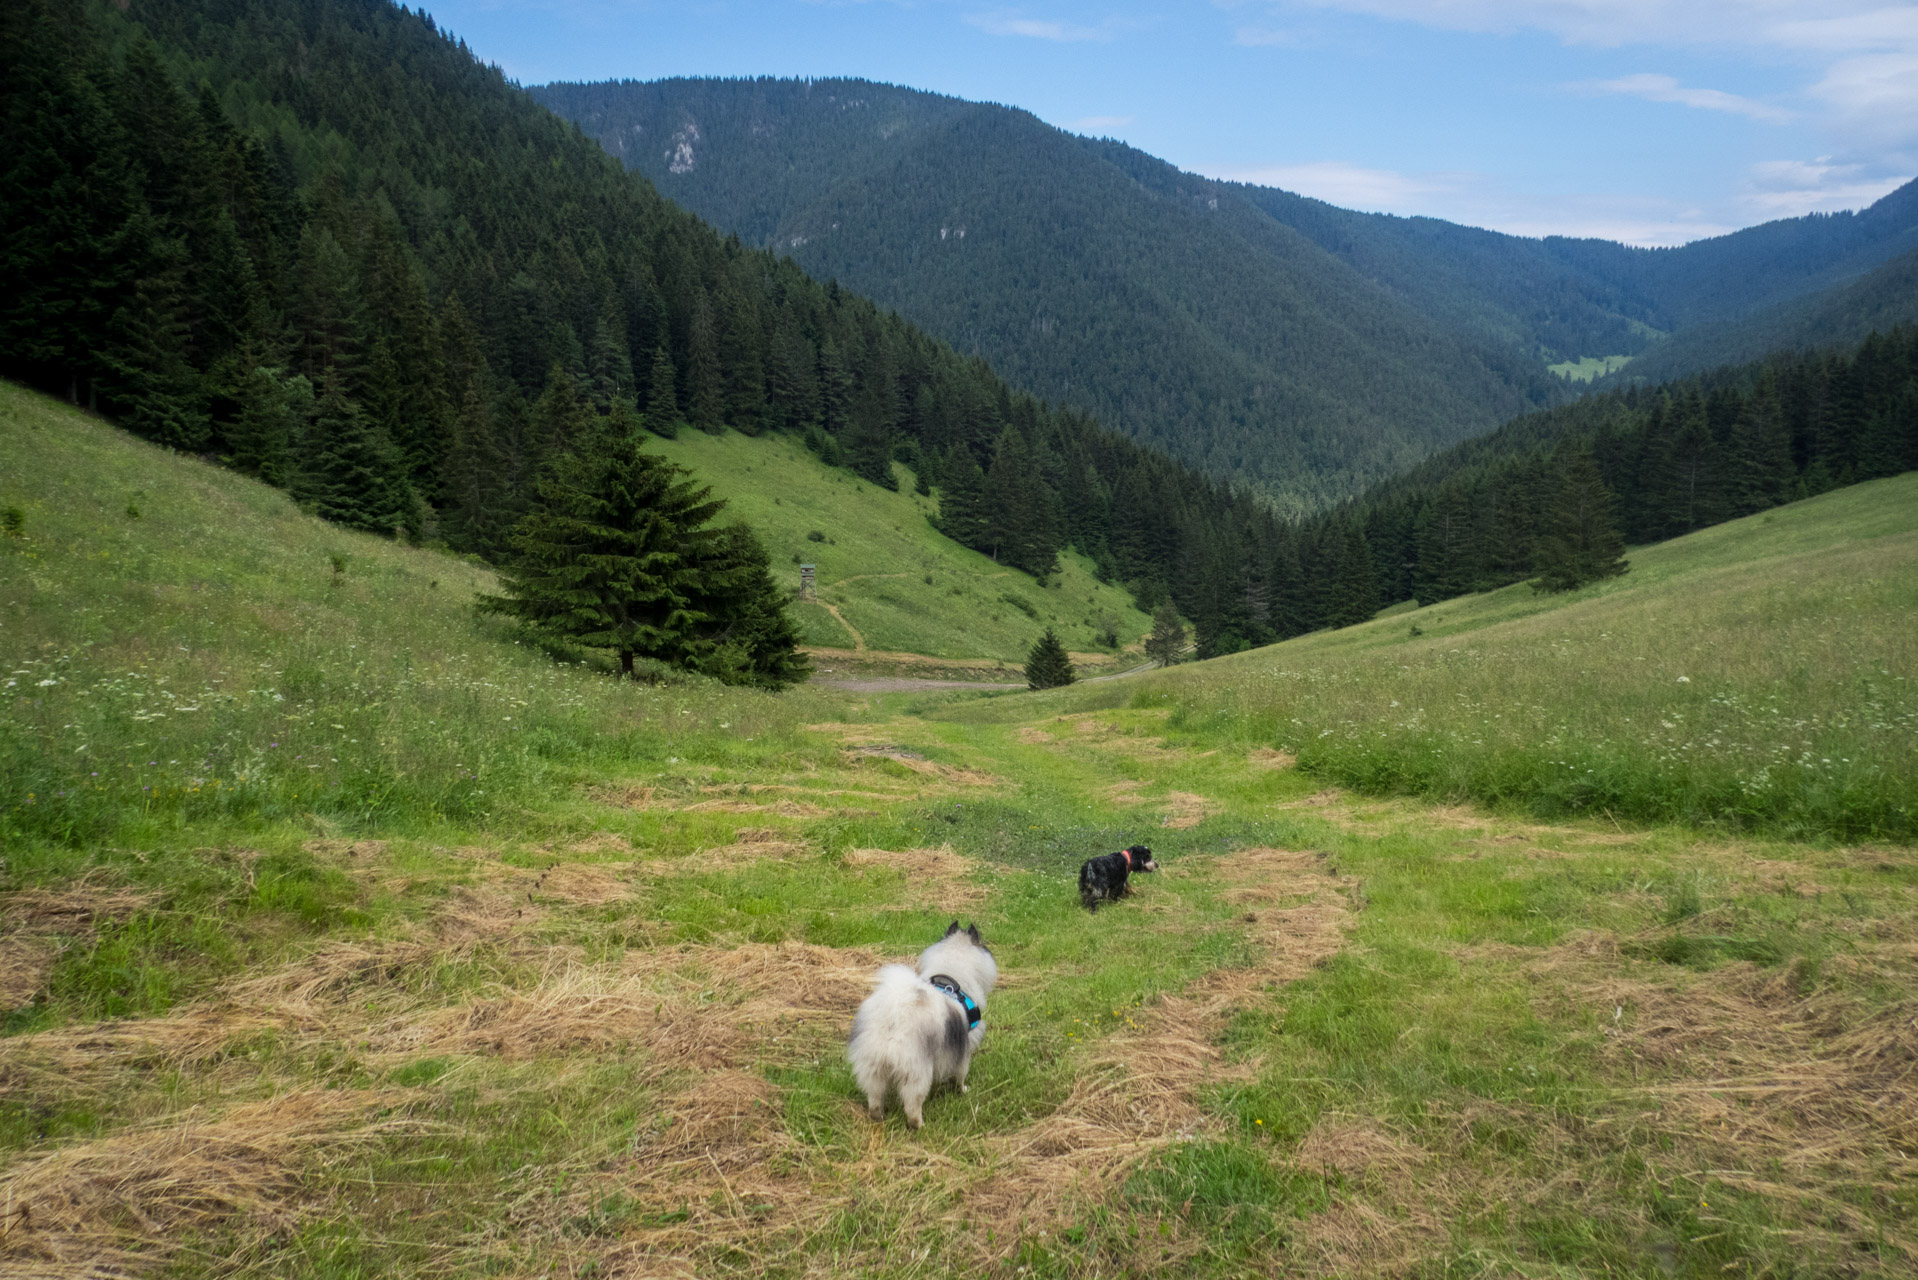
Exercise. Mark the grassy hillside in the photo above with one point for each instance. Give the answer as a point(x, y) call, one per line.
point(1758, 673)
point(187, 647)
point(896, 583)
point(361, 940)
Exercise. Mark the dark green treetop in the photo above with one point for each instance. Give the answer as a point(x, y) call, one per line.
point(619, 552)
point(1581, 542)
point(1047, 664)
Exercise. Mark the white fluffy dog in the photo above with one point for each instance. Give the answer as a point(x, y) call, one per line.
point(917, 1029)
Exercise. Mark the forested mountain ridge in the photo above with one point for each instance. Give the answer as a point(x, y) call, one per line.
point(1162, 303)
point(1256, 333)
point(1831, 319)
point(1672, 459)
point(321, 241)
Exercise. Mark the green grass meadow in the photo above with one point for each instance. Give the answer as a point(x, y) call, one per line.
point(1762, 674)
point(345, 933)
point(1588, 368)
point(900, 584)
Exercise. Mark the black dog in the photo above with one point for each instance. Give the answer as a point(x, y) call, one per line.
point(1103, 879)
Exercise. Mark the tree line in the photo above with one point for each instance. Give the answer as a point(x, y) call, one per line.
point(318, 240)
point(1666, 461)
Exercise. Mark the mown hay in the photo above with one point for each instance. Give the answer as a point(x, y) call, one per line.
point(573, 1010)
point(589, 884)
point(602, 842)
point(1185, 810)
point(355, 849)
point(137, 1195)
point(1141, 1086)
point(918, 763)
point(72, 909)
point(25, 965)
point(185, 1039)
point(938, 877)
point(471, 913)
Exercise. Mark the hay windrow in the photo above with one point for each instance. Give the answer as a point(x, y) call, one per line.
point(71, 909)
point(1185, 810)
point(919, 764)
point(937, 877)
point(1140, 1089)
point(25, 964)
point(590, 884)
point(346, 849)
point(133, 1197)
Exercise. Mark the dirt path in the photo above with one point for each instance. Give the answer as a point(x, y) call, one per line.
point(858, 641)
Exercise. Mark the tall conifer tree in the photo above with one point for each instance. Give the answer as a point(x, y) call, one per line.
point(1581, 542)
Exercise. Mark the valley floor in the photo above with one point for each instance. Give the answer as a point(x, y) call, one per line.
point(1335, 1035)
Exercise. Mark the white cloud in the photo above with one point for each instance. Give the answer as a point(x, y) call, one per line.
point(1349, 186)
point(1097, 124)
point(1477, 201)
point(1875, 29)
point(1619, 22)
point(1009, 24)
point(1789, 188)
point(1876, 96)
point(1658, 88)
point(1861, 55)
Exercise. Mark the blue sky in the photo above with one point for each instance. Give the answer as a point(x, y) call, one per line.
point(1650, 121)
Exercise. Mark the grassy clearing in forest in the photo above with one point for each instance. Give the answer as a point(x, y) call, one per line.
point(1756, 675)
point(359, 1021)
point(900, 584)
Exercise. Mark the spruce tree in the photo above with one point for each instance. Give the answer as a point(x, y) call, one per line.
point(962, 501)
point(662, 401)
point(1581, 542)
point(474, 481)
point(745, 636)
point(618, 552)
point(739, 344)
point(1761, 471)
point(1888, 444)
point(1166, 643)
point(1447, 547)
point(273, 413)
point(705, 389)
point(1047, 664)
point(350, 473)
point(562, 419)
point(1353, 593)
point(609, 363)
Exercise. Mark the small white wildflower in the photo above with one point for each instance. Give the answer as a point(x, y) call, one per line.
point(1684, 679)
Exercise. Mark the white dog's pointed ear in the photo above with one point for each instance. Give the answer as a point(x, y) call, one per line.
point(972, 931)
point(952, 928)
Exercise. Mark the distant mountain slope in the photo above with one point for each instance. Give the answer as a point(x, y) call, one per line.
point(1841, 316)
point(1256, 333)
point(1168, 305)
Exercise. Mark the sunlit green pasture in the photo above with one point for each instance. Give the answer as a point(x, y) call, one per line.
point(901, 585)
point(369, 939)
point(1759, 674)
point(1588, 368)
